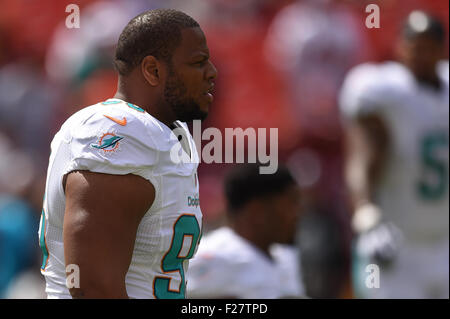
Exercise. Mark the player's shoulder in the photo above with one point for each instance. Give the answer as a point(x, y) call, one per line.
point(359, 81)
point(223, 252)
point(443, 71)
point(117, 116)
point(379, 76)
point(216, 240)
point(214, 252)
point(372, 87)
point(225, 245)
point(287, 257)
point(284, 251)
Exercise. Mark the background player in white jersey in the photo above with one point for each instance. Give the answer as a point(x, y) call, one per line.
point(398, 129)
point(116, 206)
point(251, 257)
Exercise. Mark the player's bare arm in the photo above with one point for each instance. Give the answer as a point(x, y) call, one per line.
point(123, 241)
point(101, 219)
point(367, 147)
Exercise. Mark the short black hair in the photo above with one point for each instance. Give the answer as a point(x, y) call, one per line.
point(245, 183)
point(154, 32)
point(419, 23)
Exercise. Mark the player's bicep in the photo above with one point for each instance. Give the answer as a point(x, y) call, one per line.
point(101, 219)
point(374, 129)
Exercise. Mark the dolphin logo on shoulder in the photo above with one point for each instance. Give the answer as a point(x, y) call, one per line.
point(109, 142)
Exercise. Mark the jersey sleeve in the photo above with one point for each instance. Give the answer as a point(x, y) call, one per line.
point(212, 275)
point(113, 143)
point(443, 70)
point(289, 265)
point(362, 92)
point(208, 276)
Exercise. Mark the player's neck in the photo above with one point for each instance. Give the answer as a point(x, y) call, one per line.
point(432, 81)
point(428, 78)
point(257, 241)
point(126, 94)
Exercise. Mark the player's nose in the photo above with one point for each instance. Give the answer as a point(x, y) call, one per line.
point(211, 72)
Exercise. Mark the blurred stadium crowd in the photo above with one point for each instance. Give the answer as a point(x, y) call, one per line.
point(281, 64)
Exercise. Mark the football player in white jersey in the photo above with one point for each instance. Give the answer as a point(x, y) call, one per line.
point(251, 257)
point(398, 127)
point(119, 219)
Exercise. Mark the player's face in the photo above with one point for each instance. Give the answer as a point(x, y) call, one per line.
point(285, 210)
point(420, 55)
point(190, 79)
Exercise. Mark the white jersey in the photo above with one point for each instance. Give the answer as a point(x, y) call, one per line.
point(116, 137)
point(414, 189)
point(227, 265)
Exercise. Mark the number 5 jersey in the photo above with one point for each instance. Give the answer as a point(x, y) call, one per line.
point(413, 192)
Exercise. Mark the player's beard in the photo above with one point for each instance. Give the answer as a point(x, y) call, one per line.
point(184, 108)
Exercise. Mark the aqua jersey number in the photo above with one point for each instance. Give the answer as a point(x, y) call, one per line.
point(186, 225)
point(434, 180)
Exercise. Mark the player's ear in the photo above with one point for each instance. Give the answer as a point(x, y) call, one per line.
point(151, 70)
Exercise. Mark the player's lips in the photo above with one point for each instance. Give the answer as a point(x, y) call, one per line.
point(209, 94)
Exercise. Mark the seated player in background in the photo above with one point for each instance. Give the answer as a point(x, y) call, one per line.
point(397, 169)
point(252, 257)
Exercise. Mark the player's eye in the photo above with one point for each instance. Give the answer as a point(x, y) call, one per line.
point(201, 62)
